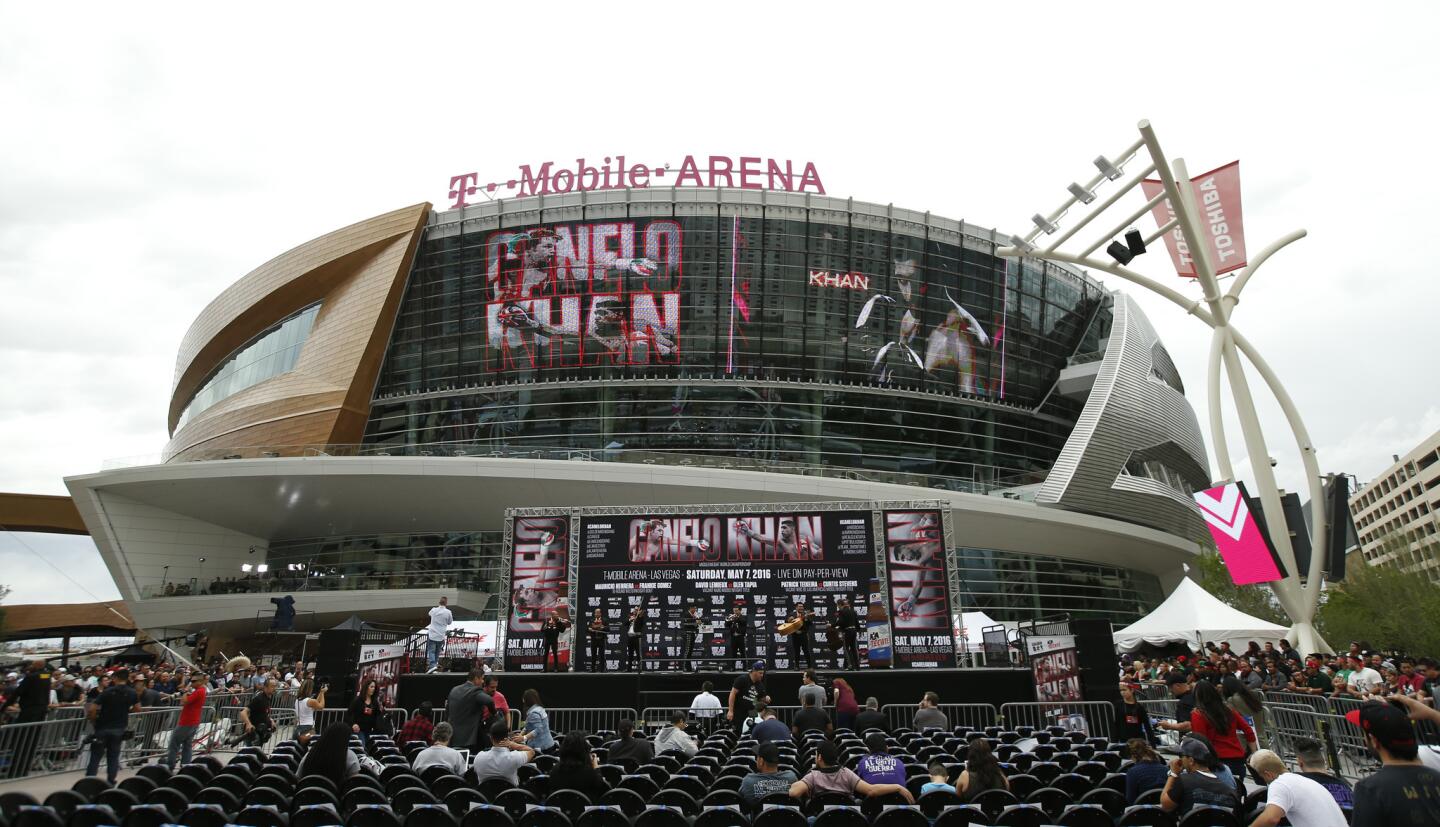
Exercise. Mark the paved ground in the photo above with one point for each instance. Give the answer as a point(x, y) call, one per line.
point(42, 785)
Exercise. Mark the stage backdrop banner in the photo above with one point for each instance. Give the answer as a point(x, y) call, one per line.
point(538, 588)
point(769, 559)
point(1057, 671)
point(923, 636)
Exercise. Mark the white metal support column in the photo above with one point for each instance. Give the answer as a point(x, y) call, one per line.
point(1299, 592)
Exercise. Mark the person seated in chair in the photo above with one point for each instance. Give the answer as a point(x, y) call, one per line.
point(939, 779)
point(767, 778)
point(675, 737)
point(1192, 782)
point(830, 777)
point(440, 753)
point(628, 746)
point(769, 729)
point(504, 757)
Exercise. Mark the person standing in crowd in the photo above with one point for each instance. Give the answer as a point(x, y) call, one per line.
point(800, 638)
point(578, 768)
point(492, 688)
point(847, 622)
point(440, 619)
point(1403, 791)
point(69, 693)
point(504, 758)
point(767, 778)
point(1363, 680)
point(1219, 723)
point(846, 708)
point(1132, 721)
point(537, 722)
point(871, 717)
point(928, 714)
point(595, 657)
point(1184, 702)
point(689, 631)
point(747, 690)
point(440, 753)
point(466, 706)
point(1310, 758)
point(550, 630)
point(367, 715)
point(148, 695)
point(255, 717)
point(1147, 772)
point(808, 687)
point(982, 771)
point(110, 714)
point(1191, 781)
point(735, 625)
point(1249, 704)
point(674, 737)
point(308, 699)
point(182, 739)
point(1292, 797)
point(628, 746)
point(420, 727)
point(705, 706)
point(30, 700)
point(635, 640)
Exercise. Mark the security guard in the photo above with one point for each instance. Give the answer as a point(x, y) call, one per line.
point(33, 693)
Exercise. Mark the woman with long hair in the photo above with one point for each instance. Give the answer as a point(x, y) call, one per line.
point(982, 771)
point(1246, 701)
point(537, 723)
point(330, 756)
point(308, 699)
point(577, 769)
point(366, 711)
point(1148, 771)
point(1220, 724)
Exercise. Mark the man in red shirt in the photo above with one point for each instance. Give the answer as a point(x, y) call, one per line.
point(183, 737)
point(502, 706)
point(419, 727)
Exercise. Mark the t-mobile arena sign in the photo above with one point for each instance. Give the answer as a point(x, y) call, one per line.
point(746, 172)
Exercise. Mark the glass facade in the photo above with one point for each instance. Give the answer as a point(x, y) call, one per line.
point(813, 336)
point(271, 353)
point(1010, 586)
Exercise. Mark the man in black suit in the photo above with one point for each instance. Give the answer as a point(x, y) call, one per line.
point(635, 640)
point(848, 624)
point(735, 625)
point(689, 628)
point(551, 630)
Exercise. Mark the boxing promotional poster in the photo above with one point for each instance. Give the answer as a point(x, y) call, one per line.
point(923, 635)
point(539, 589)
point(739, 572)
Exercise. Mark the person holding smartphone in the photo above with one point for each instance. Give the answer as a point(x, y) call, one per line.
point(310, 698)
point(192, 704)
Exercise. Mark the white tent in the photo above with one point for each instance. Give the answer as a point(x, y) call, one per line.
point(970, 626)
point(1191, 614)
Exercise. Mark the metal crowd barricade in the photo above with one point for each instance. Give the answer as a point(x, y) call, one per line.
point(1315, 703)
point(42, 747)
point(396, 718)
point(150, 731)
point(1096, 717)
point(973, 716)
point(596, 719)
point(227, 725)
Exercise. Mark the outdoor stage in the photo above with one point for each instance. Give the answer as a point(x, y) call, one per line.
point(676, 689)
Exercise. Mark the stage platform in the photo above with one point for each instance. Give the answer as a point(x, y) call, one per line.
point(676, 689)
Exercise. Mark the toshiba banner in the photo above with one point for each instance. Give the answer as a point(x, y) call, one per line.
point(1221, 220)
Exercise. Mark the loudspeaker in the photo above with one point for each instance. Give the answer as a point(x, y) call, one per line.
point(461, 665)
point(338, 663)
point(1095, 655)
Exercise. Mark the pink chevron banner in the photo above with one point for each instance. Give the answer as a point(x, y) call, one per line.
point(1245, 549)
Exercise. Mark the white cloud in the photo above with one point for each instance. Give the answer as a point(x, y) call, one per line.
point(150, 160)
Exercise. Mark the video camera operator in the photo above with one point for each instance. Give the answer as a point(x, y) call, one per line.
point(255, 717)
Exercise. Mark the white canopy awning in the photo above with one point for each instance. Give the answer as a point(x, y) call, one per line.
point(1191, 615)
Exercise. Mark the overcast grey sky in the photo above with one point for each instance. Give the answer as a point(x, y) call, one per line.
point(153, 155)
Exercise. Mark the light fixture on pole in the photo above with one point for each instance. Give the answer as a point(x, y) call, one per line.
point(1044, 223)
point(262, 568)
point(1021, 244)
point(1108, 169)
point(245, 567)
point(1081, 194)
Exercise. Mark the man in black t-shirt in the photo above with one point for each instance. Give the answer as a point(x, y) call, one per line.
point(689, 628)
point(847, 622)
point(111, 715)
point(1184, 702)
point(255, 717)
point(735, 624)
point(810, 717)
point(871, 717)
point(744, 693)
point(1191, 782)
point(1404, 792)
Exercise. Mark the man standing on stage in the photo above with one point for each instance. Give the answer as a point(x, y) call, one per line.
point(596, 636)
point(689, 628)
point(635, 640)
point(848, 623)
point(800, 638)
point(440, 620)
point(551, 630)
point(735, 625)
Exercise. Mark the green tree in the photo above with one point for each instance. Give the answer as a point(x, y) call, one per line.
point(1257, 600)
point(1384, 606)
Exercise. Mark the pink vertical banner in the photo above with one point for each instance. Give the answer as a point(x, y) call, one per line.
point(1221, 219)
point(1246, 550)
